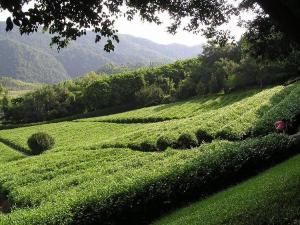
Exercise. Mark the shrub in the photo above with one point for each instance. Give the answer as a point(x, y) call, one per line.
point(221, 164)
point(225, 135)
point(150, 95)
point(164, 142)
point(203, 136)
point(187, 140)
point(40, 142)
point(148, 146)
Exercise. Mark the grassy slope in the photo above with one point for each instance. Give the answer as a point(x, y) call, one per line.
point(64, 187)
point(233, 114)
point(78, 174)
point(7, 154)
point(270, 198)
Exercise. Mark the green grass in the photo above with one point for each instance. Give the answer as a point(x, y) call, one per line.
point(185, 109)
point(7, 154)
point(85, 177)
point(270, 198)
point(73, 187)
point(231, 114)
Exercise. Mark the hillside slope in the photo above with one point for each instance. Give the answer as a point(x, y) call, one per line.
point(107, 170)
point(25, 63)
point(270, 198)
point(84, 55)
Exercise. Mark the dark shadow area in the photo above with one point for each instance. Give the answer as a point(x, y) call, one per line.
point(133, 120)
point(5, 206)
point(103, 112)
point(15, 147)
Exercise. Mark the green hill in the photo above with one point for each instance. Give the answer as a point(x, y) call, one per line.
point(107, 170)
point(29, 64)
point(46, 65)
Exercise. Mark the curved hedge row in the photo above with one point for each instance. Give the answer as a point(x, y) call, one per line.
point(219, 164)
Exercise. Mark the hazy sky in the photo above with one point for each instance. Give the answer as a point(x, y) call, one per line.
point(158, 33)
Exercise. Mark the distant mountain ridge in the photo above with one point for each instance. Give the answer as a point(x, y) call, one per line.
point(30, 59)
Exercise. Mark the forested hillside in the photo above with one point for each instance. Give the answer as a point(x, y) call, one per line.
point(217, 70)
point(82, 56)
point(26, 63)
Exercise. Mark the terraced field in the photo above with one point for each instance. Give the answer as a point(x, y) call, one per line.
point(92, 176)
point(230, 114)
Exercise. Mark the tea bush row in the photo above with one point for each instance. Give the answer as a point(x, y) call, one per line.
point(264, 199)
point(152, 182)
point(137, 120)
point(187, 140)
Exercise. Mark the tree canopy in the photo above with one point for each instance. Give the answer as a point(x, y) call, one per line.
point(69, 19)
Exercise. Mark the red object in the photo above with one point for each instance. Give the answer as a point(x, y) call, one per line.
point(280, 126)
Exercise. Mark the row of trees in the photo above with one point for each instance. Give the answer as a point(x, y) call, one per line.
point(92, 92)
point(217, 70)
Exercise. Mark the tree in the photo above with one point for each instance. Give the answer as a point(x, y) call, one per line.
point(70, 19)
point(151, 95)
point(2, 89)
point(264, 41)
point(98, 95)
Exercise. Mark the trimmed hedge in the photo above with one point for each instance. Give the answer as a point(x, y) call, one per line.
point(264, 199)
point(226, 135)
point(203, 136)
point(288, 109)
point(137, 120)
point(220, 164)
point(164, 142)
point(186, 141)
point(40, 142)
point(148, 146)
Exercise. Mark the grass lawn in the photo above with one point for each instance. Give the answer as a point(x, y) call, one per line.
point(272, 197)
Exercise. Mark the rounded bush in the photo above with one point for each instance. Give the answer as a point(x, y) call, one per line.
point(187, 140)
point(148, 146)
point(225, 135)
point(203, 136)
point(40, 142)
point(163, 143)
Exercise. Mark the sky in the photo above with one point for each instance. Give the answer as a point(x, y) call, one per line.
point(159, 34)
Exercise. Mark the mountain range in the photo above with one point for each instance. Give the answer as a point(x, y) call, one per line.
point(29, 57)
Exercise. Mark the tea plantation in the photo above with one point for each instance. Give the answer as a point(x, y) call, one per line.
point(99, 172)
point(270, 198)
